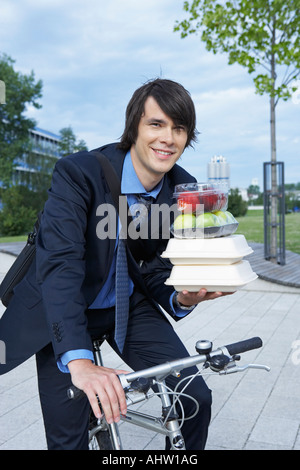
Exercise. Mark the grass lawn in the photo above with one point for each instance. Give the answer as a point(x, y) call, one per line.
point(252, 226)
point(18, 238)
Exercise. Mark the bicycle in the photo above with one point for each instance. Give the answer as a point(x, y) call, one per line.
point(137, 386)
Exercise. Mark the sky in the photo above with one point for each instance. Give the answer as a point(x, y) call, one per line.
point(91, 55)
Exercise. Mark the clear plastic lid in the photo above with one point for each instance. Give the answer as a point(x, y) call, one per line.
point(200, 187)
point(190, 197)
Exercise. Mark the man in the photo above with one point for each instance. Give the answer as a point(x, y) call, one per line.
point(68, 296)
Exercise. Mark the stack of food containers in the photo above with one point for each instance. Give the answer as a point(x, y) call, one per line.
point(205, 252)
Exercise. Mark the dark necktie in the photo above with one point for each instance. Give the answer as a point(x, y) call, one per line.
point(146, 202)
point(122, 295)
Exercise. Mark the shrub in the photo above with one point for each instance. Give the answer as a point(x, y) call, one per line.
point(236, 205)
point(18, 214)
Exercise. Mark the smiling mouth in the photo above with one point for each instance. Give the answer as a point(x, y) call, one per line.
point(163, 153)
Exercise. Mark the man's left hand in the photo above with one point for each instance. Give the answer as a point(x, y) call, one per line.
point(187, 298)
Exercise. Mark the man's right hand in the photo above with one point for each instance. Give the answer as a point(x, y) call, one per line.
point(102, 382)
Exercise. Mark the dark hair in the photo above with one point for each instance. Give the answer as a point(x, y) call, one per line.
point(172, 98)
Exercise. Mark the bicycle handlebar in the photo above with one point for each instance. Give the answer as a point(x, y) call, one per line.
point(171, 367)
point(177, 365)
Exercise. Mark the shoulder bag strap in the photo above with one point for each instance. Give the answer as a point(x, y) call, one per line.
point(114, 184)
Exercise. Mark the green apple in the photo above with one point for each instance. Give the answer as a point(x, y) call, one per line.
point(184, 221)
point(230, 218)
point(208, 219)
point(222, 216)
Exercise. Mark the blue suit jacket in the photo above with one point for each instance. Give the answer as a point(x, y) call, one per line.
point(72, 263)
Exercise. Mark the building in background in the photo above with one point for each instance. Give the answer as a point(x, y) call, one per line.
point(218, 171)
point(40, 160)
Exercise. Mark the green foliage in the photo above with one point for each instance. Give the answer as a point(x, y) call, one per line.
point(68, 143)
point(21, 91)
point(236, 205)
point(253, 189)
point(257, 34)
point(292, 200)
point(292, 186)
point(20, 207)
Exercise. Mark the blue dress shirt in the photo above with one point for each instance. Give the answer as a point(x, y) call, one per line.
point(131, 187)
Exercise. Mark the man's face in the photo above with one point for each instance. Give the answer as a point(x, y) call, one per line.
point(159, 144)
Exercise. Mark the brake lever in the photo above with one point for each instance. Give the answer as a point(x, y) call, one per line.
point(232, 368)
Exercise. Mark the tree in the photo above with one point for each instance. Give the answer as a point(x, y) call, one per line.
point(68, 142)
point(236, 205)
point(253, 190)
point(264, 37)
point(18, 214)
point(21, 90)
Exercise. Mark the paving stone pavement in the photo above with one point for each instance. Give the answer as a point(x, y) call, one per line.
point(254, 410)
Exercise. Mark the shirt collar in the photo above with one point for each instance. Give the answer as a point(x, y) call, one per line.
point(130, 183)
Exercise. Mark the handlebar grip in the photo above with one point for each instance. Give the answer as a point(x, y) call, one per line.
point(243, 346)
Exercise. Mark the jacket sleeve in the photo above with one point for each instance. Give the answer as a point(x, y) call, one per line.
point(60, 259)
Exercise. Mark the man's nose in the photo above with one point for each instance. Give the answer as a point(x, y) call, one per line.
point(167, 135)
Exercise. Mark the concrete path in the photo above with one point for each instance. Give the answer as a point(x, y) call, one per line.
point(251, 410)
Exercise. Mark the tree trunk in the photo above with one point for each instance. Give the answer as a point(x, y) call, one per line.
point(274, 202)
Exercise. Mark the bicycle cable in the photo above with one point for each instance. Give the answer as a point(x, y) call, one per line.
point(176, 399)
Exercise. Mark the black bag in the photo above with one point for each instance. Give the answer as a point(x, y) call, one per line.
point(20, 267)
